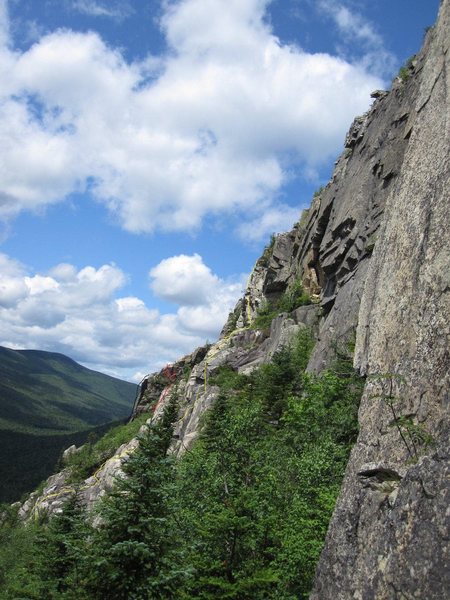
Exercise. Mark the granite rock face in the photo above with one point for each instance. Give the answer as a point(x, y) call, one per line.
point(373, 253)
point(191, 379)
point(391, 541)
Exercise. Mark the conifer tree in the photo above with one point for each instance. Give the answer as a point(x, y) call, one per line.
point(134, 547)
point(62, 546)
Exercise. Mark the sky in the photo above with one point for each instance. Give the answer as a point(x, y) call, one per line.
point(149, 148)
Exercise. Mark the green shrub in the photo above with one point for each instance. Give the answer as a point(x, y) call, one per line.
point(405, 71)
point(227, 379)
point(264, 316)
point(92, 455)
point(404, 74)
point(268, 251)
point(318, 191)
point(293, 298)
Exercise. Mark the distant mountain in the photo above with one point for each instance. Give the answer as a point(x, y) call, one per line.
point(47, 402)
point(44, 391)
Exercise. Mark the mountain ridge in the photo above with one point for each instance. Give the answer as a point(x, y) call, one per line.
point(77, 397)
point(48, 401)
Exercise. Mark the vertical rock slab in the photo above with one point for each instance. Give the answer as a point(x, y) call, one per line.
point(389, 537)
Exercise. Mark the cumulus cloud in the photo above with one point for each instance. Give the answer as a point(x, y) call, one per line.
point(210, 128)
point(273, 220)
point(81, 313)
point(204, 299)
point(185, 280)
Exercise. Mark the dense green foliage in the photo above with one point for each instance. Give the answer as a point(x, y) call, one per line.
point(47, 403)
point(293, 297)
point(242, 516)
point(27, 459)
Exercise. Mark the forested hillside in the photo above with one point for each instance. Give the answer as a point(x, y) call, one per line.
point(242, 515)
point(49, 391)
point(47, 403)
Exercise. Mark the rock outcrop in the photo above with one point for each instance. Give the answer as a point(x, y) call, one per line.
point(192, 379)
point(389, 538)
point(373, 254)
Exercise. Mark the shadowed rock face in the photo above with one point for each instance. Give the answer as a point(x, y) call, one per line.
point(373, 252)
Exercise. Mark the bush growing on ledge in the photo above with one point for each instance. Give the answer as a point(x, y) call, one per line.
point(293, 298)
point(268, 250)
point(91, 456)
point(264, 317)
point(405, 71)
point(318, 191)
point(228, 379)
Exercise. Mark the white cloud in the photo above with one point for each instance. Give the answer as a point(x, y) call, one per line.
point(351, 23)
point(11, 291)
point(204, 130)
point(205, 319)
point(184, 280)
point(76, 312)
point(63, 272)
point(354, 27)
point(276, 219)
point(114, 10)
point(38, 284)
point(204, 299)
point(12, 284)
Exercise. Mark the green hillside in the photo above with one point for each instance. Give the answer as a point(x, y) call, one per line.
point(28, 459)
point(48, 402)
point(242, 515)
point(48, 392)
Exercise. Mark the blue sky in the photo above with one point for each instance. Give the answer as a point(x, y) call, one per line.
point(149, 149)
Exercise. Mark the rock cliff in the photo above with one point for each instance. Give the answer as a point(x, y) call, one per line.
point(372, 257)
point(390, 533)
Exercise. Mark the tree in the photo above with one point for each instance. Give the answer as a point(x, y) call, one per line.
point(134, 551)
point(62, 545)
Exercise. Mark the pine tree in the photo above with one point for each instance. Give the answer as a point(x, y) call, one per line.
point(134, 547)
point(62, 546)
